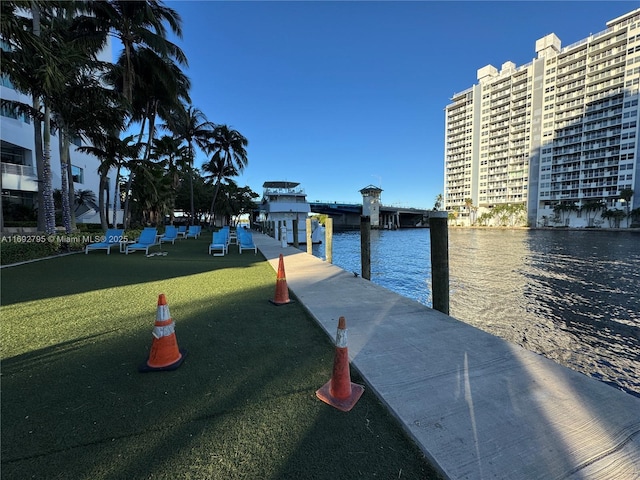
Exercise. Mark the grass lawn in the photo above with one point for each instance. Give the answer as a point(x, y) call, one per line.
point(242, 406)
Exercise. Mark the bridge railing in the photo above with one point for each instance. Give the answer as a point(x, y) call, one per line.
point(333, 202)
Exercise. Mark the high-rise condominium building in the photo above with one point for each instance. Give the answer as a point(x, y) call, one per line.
point(557, 136)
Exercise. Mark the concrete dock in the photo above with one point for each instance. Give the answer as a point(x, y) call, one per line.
point(478, 406)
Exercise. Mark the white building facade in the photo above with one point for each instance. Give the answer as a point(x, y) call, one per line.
point(561, 130)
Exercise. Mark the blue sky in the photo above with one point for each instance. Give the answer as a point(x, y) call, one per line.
point(340, 95)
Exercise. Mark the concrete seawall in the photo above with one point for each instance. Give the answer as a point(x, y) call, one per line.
point(479, 407)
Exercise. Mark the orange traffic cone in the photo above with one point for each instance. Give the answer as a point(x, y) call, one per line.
point(282, 291)
point(164, 354)
point(339, 392)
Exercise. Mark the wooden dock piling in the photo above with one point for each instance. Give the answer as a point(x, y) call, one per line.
point(365, 246)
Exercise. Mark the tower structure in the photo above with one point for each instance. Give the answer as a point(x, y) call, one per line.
point(371, 204)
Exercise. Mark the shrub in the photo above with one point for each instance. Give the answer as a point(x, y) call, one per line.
point(13, 252)
point(89, 227)
point(23, 247)
point(25, 223)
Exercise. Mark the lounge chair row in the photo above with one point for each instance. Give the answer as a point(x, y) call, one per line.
point(221, 239)
point(148, 238)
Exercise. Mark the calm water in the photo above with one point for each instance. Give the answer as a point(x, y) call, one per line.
point(573, 296)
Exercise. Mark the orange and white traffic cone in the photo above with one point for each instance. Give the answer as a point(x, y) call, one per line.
point(282, 291)
point(164, 354)
point(339, 392)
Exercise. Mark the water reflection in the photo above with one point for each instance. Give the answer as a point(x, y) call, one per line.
point(573, 296)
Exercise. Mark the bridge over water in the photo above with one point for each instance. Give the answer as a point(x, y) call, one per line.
point(346, 216)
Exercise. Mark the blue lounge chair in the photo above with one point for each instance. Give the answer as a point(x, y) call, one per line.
point(146, 240)
point(182, 231)
point(218, 243)
point(224, 233)
point(245, 242)
point(112, 237)
point(170, 234)
point(193, 232)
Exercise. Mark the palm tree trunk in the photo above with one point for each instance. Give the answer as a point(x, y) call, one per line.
point(146, 156)
point(37, 140)
point(128, 76)
point(212, 212)
point(107, 199)
point(47, 190)
point(192, 205)
point(64, 184)
point(152, 129)
point(193, 208)
point(101, 202)
point(37, 134)
point(72, 193)
point(127, 192)
point(116, 198)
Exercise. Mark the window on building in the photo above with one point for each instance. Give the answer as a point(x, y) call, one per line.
point(12, 112)
point(78, 174)
point(6, 82)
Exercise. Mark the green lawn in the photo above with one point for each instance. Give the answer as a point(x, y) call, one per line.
point(242, 406)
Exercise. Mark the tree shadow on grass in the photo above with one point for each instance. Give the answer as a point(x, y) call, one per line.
point(79, 273)
point(241, 406)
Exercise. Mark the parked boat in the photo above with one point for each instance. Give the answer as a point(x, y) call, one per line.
point(282, 203)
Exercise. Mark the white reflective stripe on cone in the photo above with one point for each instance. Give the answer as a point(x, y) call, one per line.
point(165, 331)
point(162, 314)
point(341, 338)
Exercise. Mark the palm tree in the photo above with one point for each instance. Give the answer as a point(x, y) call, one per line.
point(113, 152)
point(160, 88)
point(84, 198)
point(191, 126)
point(82, 105)
point(158, 92)
point(200, 189)
point(471, 209)
point(151, 192)
point(515, 213)
point(230, 146)
point(32, 66)
point(174, 157)
point(613, 215)
point(485, 218)
point(438, 203)
point(502, 213)
point(92, 112)
point(147, 71)
point(47, 58)
point(140, 23)
point(217, 170)
point(564, 208)
point(589, 207)
point(626, 194)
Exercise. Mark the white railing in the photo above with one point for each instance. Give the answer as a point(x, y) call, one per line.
point(15, 169)
point(284, 191)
